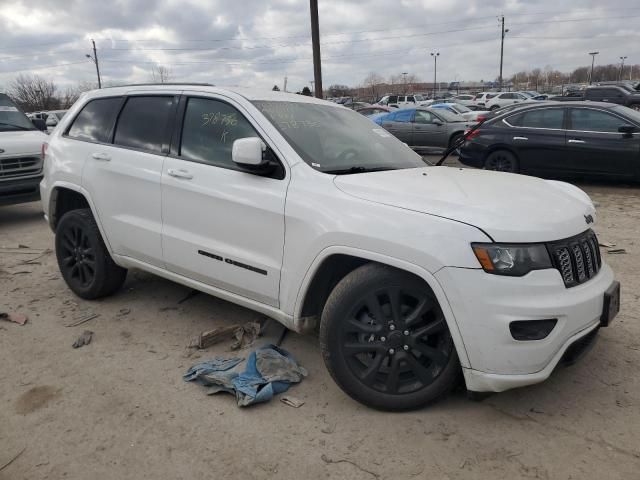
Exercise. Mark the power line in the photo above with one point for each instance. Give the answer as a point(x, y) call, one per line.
point(43, 67)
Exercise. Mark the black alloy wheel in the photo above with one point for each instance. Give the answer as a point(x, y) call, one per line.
point(501, 161)
point(385, 339)
point(78, 256)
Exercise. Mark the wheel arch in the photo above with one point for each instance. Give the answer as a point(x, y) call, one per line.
point(457, 132)
point(67, 196)
point(320, 280)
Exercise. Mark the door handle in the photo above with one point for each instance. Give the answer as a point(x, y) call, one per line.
point(575, 140)
point(520, 138)
point(105, 157)
point(180, 174)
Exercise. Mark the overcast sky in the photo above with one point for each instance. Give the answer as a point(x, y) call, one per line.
point(258, 42)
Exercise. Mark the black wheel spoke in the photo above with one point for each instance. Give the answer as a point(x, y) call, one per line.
point(436, 326)
point(74, 270)
point(68, 261)
point(354, 325)
point(396, 305)
point(419, 370)
point(368, 376)
point(394, 374)
point(373, 305)
point(423, 307)
point(88, 273)
point(351, 349)
point(433, 354)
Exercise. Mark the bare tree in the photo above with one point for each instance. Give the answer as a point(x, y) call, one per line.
point(372, 82)
point(33, 93)
point(160, 74)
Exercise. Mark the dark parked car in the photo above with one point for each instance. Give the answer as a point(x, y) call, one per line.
point(559, 139)
point(422, 127)
point(621, 94)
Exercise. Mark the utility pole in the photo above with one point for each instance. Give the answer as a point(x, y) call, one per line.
point(285, 83)
point(504, 32)
point(435, 71)
point(315, 40)
point(94, 58)
point(622, 65)
point(404, 75)
point(593, 60)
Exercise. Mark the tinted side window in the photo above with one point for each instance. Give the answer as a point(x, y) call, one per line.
point(94, 122)
point(393, 99)
point(143, 122)
point(544, 118)
point(594, 120)
point(423, 117)
point(209, 129)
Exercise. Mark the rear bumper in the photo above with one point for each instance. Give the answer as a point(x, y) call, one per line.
point(470, 156)
point(20, 190)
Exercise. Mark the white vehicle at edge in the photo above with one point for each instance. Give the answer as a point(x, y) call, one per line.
point(502, 99)
point(20, 162)
point(305, 211)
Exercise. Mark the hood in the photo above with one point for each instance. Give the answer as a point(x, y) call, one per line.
point(508, 207)
point(21, 142)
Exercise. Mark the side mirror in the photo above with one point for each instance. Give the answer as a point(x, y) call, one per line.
point(248, 151)
point(627, 129)
point(438, 123)
point(39, 124)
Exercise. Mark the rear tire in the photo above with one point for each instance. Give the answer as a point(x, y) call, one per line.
point(83, 258)
point(455, 139)
point(502, 161)
point(385, 340)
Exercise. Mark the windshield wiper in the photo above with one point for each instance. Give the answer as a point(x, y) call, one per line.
point(356, 169)
point(19, 127)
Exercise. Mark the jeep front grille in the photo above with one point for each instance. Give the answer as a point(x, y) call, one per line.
point(576, 258)
point(19, 167)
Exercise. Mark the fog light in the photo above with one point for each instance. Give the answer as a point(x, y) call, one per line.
point(532, 329)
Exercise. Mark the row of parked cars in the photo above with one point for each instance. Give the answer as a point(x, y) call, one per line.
point(51, 118)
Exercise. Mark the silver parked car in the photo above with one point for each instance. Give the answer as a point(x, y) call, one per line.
point(423, 127)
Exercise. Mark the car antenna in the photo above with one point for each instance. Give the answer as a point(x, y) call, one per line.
point(459, 143)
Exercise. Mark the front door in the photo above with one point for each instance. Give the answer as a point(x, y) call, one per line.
point(595, 146)
point(221, 226)
point(428, 130)
point(399, 124)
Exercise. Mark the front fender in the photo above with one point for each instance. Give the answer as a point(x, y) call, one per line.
point(429, 278)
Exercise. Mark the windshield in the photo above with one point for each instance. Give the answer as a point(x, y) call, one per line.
point(12, 119)
point(630, 113)
point(337, 140)
point(419, 98)
point(458, 107)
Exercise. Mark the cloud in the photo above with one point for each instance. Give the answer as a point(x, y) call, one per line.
point(258, 43)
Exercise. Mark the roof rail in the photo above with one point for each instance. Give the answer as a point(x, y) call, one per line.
point(194, 84)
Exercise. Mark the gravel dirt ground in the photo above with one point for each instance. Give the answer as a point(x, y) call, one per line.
point(119, 409)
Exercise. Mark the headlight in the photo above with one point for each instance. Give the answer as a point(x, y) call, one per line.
point(514, 260)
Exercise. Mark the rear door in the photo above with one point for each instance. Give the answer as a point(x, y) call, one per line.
point(538, 138)
point(399, 124)
point(595, 146)
point(123, 178)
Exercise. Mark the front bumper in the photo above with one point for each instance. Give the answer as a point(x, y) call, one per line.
point(20, 190)
point(484, 305)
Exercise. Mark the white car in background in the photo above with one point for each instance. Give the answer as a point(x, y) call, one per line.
point(503, 99)
point(459, 109)
point(467, 100)
point(404, 101)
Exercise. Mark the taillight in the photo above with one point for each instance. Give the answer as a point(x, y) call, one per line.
point(43, 151)
point(481, 118)
point(470, 135)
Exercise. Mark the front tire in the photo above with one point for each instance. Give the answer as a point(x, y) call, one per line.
point(385, 340)
point(83, 258)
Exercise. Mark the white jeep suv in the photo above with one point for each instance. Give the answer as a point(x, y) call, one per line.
point(306, 211)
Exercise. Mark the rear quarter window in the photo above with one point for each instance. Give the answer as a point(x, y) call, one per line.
point(95, 120)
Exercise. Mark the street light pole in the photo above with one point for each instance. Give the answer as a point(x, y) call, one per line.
point(622, 65)
point(504, 32)
point(315, 40)
point(404, 78)
point(95, 60)
point(435, 71)
point(593, 60)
